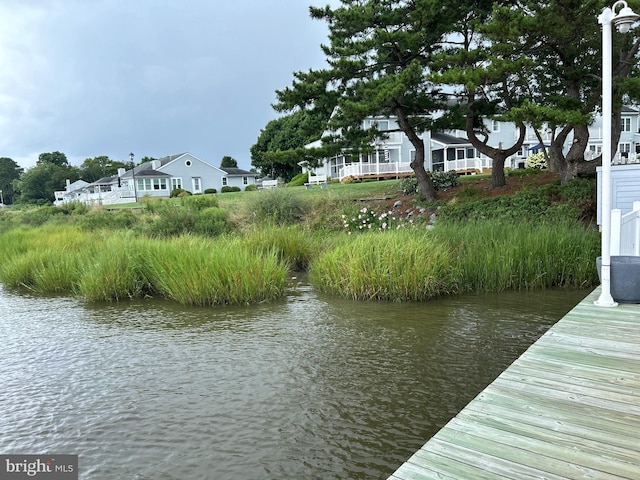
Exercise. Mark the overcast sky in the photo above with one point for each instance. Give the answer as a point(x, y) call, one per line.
point(152, 77)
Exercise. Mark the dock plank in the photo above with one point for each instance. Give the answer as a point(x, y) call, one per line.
point(568, 408)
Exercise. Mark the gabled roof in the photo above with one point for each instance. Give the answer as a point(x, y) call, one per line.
point(238, 172)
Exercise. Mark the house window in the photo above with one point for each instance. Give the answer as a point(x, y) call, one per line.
point(187, 163)
point(495, 126)
point(460, 154)
point(159, 183)
point(382, 125)
point(471, 152)
point(197, 184)
point(176, 183)
point(625, 148)
point(626, 124)
point(245, 180)
point(224, 181)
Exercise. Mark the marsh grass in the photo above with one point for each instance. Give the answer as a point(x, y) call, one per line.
point(394, 266)
point(498, 255)
point(117, 270)
point(196, 271)
point(293, 245)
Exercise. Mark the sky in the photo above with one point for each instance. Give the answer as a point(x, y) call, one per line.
point(154, 77)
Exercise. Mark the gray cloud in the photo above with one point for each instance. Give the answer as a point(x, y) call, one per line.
point(156, 77)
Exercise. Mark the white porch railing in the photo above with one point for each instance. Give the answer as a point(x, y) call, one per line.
point(363, 169)
point(468, 164)
point(625, 231)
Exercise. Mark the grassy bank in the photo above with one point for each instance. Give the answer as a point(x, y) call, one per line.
point(238, 248)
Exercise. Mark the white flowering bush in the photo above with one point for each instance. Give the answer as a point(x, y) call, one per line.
point(368, 220)
point(537, 160)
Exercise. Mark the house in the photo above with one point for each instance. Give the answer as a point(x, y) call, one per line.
point(451, 150)
point(72, 192)
point(237, 177)
point(157, 178)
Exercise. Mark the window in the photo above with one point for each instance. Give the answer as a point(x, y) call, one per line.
point(382, 125)
point(495, 126)
point(187, 163)
point(245, 180)
point(460, 153)
point(224, 181)
point(197, 184)
point(176, 183)
point(626, 124)
point(625, 148)
point(159, 183)
point(471, 152)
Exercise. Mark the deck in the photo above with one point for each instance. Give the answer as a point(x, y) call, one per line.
point(568, 408)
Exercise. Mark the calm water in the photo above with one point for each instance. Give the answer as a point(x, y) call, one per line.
point(309, 387)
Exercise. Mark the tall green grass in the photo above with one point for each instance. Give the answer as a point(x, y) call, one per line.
point(196, 271)
point(397, 266)
point(500, 255)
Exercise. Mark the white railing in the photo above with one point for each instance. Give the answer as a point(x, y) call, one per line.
point(363, 169)
point(479, 164)
point(625, 231)
point(316, 179)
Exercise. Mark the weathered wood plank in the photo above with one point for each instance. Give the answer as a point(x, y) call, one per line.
point(568, 408)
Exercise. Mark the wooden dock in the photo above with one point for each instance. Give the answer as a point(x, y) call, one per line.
point(568, 408)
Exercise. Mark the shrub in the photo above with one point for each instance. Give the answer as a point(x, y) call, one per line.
point(172, 219)
point(368, 220)
point(444, 180)
point(177, 192)
point(199, 202)
point(441, 181)
point(210, 191)
point(277, 206)
point(409, 186)
point(211, 221)
point(227, 189)
point(251, 188)
point(299, 180)
point(537, 161)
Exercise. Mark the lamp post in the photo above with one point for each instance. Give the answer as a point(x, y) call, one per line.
point(623, 20)
point(133, 173)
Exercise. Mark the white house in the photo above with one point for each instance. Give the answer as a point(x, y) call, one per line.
point(451, 150)
point(157, 178)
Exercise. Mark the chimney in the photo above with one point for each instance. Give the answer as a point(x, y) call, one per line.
point(155, 164)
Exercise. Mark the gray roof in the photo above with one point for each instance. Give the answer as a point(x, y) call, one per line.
point(446, 139)
point(238, 172)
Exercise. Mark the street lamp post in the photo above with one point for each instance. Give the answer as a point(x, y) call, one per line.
point(133, 173)
point(623, 20)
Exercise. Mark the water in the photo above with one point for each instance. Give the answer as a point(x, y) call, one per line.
point(311, 387)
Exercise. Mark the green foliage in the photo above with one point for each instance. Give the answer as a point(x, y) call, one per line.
point(409, 186)
point(280, 145)
point(211, 221)
point(294, 246)
point(441, 181)
point(101, 219)
point(251, 188)
point(209, 191)
point(299, 180)
point(228, 162)
point(199, 202)
point(38, 184)
point(536, 161)
point(179, 192)
point(542, 204)
point(277, 206)
point(444, 180)
point(227, 189)
point(93, 169)
point(9, 171)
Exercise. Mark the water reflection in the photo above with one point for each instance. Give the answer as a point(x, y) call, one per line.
point(308, 387)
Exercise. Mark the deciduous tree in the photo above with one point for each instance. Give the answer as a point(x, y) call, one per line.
point(9, 171)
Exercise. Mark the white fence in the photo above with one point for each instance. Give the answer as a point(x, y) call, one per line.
point(625, 231)
point(373, 169)
point(479, 164)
